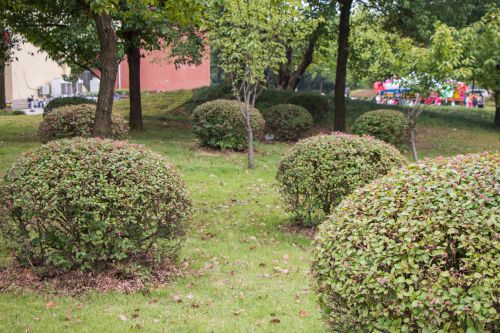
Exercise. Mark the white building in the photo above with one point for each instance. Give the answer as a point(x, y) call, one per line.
point(33, 73)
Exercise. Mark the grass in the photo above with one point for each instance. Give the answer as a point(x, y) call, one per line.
point(234, 241)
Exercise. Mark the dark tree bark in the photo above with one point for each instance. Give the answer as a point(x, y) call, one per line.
point(341, 70)
point(214, 59)
point(3, 57)
point(284, 70)
point(497, 108)
point(3, 99)
point(134, 69)
point(288, 79)
point(496, 93)
point(109, 67)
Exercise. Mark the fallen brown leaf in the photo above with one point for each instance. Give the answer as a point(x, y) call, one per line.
point(280, 270)
point(303, 313)
point(50, 304)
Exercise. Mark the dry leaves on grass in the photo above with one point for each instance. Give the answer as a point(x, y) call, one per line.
point(50, 304)
point(303, 313)
point(78, 282)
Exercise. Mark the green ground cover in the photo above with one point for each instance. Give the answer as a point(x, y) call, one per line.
point(246, 274)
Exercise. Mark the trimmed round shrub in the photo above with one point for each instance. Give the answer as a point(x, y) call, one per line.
point(287, 121)
point(77, 120)
point(89, 203)
point(387, 125)
point(318, 172)
point(219, 124)
point(415, 251)
point(318, 105)
point(64, 101)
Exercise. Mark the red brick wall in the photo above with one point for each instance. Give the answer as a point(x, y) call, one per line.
point(159, 74)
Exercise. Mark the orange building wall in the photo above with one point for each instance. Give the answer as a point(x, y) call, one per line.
point(158, 74)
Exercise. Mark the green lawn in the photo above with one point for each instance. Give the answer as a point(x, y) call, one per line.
point(234, 246)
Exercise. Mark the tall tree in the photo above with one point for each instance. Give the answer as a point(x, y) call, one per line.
point(483, 47)
point(70, 30)
point(8, 44)
point(414, 18)
point(300, 53)
point(250, 39)
point(374, 53)
point(60, 18)
point(145, 28)
point(109, 60)
point(444, 58)
point(341, 68)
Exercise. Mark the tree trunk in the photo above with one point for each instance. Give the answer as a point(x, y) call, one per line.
point(413, 144)
point(3, 59)
point(288, 79)
point(411, 122)
point(321, 83)
point(109, 68)
point(3, 99)
point(250, 151)
point(341, 70)
point(134, 69)
point(218, 75)
point(215, 62)
point(497, 108)
point(284, 70)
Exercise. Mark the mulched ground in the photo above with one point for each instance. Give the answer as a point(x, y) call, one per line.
point(297, 229)
point(78, 282)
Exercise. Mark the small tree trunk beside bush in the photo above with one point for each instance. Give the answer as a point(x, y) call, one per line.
point(411, 119)
point(247, 106)
point(497, 108)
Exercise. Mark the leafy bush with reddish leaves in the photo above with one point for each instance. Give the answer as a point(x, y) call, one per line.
point(386, 125)
point(91, 203)
point(76, 120)
point(219, 124)
point(65, 101)
point(415, 251)
point(287, 122)
point(318, 172)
